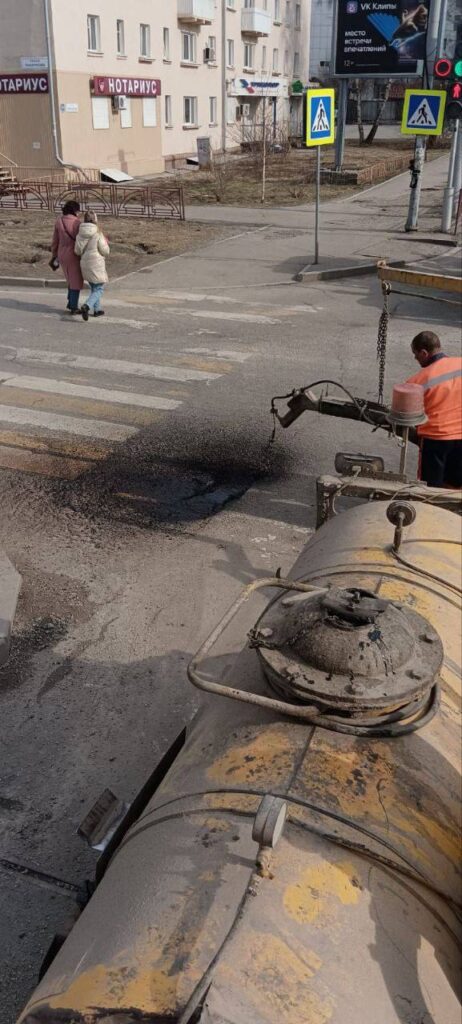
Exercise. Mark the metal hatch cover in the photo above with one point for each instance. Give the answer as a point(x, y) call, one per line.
point(347, 651)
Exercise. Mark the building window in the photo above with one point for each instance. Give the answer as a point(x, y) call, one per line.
point(277, 10)
point(296, 63)
point(145, 41)
point(188, 47)
point(94, 33)
point(213, 108)
point(298, 15)
point(100, 112)
point(263, 58)
point(249, 55)
point(288, 15)
point(190, 110)
point(286, 62)
point(231, 4)
point(230, 53)
point(126, 114)
point(120, 38)
point(149, 112)
point(168, 111)
point(275, 61)
point(212, 46)
point(230, 110)
point(166, 38)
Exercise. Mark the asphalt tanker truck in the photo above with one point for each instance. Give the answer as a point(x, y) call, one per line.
point(294, 859)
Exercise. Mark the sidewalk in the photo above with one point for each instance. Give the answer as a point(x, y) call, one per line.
point(272, 245)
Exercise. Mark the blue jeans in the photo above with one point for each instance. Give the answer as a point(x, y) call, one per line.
point(94, 298)
point(73, 298)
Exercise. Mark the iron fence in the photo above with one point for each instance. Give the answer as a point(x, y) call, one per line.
point(105, 199)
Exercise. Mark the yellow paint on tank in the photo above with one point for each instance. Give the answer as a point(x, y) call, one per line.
point(268, 757)
point(147, 989)
point(314, 897)
point(277, 979)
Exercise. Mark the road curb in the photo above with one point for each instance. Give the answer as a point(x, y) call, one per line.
point(355, 270)
point(31, 282)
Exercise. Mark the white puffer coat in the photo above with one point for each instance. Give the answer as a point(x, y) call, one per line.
point(92, 247)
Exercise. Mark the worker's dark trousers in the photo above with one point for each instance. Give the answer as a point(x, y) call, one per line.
point(440, 462)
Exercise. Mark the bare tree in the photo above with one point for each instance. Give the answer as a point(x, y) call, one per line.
point(380, 109)
point(359, 112)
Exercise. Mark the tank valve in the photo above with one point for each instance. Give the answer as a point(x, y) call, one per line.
point(401, 514)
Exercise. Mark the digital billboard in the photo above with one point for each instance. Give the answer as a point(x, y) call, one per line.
point(380, 38)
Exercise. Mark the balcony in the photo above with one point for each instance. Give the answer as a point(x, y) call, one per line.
point(255, 22)
point(196, 12)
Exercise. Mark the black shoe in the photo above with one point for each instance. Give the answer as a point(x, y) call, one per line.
point(99, 312)
point(85, 311)
point(68, 307)
point(74, 312)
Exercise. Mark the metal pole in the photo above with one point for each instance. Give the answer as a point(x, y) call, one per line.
point(341, 123)
point(263, 177)
point(223, 76)
point(435, 36)
point(416, 184)
point(448, 195)
point(457, 178)
point(316, 212)
point(404, 447)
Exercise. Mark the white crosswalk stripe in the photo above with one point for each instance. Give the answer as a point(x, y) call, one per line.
point(66, 424)
point(160, 372)
point(65, 387)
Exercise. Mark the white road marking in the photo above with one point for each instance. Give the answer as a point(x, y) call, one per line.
point(65, 387)
point(194, 297)
point(221, 353)
point(33, 355)
point(65, 424)
point(209, 314)
point(137, 325)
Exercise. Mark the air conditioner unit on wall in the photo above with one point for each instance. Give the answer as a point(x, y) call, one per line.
point(119, 103)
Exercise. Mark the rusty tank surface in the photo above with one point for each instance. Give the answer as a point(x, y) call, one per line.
point(298, 862)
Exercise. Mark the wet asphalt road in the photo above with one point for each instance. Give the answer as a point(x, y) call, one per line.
point(134, 536)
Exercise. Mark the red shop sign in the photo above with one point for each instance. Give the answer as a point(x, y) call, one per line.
point(23, 83)
point(105, 86)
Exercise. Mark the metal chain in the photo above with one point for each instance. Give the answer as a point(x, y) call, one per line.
point(382, 338)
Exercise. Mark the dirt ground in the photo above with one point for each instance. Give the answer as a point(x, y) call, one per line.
point(289, 177)
point(25, 242)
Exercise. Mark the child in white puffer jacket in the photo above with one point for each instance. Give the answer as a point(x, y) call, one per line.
point(92, 247)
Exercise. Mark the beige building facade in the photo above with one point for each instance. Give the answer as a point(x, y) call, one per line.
point(106, 84)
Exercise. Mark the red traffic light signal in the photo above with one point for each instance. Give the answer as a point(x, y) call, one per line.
point(456, 91)
point(443, 67)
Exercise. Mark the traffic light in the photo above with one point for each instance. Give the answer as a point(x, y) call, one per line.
point(446, 70)
point(453, 110)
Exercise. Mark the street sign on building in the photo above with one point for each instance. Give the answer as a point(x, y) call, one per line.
point(380, 39)
point(423, 112)
point(320, 117)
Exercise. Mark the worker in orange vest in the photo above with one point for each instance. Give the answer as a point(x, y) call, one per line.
point(440, 463)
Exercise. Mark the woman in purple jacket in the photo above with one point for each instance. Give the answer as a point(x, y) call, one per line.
point(62, 248)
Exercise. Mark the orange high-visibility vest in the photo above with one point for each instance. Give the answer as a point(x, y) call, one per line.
point(442, 384)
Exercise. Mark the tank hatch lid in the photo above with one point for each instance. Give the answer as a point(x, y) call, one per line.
point(347, 649)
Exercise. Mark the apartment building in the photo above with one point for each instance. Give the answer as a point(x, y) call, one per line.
point(104, 84)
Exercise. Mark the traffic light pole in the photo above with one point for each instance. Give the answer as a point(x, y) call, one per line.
point(435, 36)
point(449, 192)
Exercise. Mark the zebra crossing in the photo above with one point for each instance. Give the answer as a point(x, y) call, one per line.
point(65, 405)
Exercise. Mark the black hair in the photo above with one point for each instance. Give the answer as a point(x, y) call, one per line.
point(72, 206)
point(426, 340)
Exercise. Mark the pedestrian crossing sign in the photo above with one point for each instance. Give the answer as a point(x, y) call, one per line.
point(423, 112)
point(320, 121)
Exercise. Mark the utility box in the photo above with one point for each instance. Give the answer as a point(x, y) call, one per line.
point(204, 151)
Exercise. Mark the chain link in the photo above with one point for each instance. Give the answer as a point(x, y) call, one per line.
point(382, 338)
